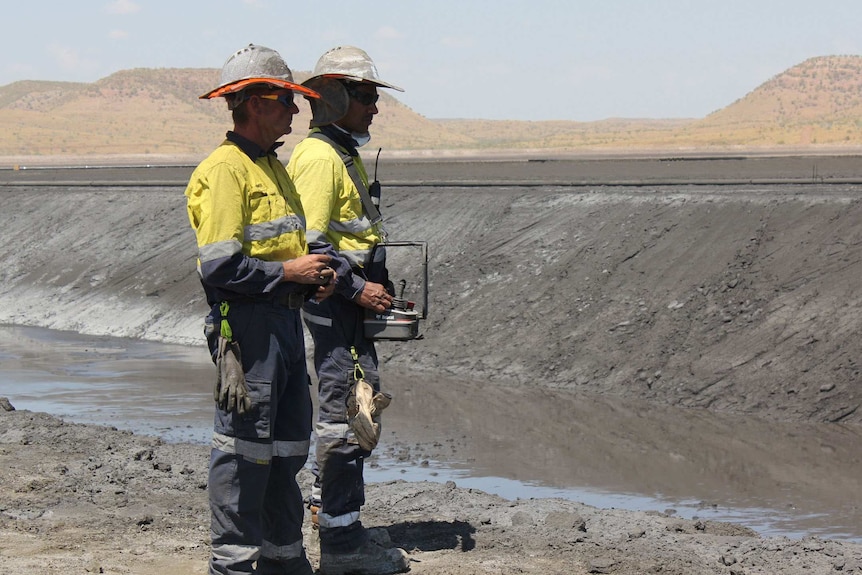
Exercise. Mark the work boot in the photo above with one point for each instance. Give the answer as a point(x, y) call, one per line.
point(380, 536)
point(297, 566)
point(369, 559)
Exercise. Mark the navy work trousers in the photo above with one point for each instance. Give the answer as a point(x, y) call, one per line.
point(336, 326)
point(256, 503)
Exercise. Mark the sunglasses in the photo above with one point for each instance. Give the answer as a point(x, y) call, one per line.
point(286, 99)
point(364, 98)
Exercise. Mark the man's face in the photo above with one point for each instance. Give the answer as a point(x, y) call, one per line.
point(361, 109)
point(278, 110)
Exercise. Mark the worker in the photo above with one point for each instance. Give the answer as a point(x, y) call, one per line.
point(257, 269)
point(332, 181)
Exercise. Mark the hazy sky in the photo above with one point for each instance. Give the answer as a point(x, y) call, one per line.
point(499, 59)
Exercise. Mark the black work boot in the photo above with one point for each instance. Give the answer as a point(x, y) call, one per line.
point(368, 559)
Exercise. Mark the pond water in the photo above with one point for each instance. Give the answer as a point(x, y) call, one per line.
point(791, 480)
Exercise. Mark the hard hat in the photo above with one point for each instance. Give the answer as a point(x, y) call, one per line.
point(350, 63)
point(256, 65)
point(333, 102)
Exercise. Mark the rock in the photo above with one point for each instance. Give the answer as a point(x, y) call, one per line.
point(602, 565)
point(561, 521)
point(522, 518)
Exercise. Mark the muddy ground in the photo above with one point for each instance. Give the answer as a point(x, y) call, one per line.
point(735, 292)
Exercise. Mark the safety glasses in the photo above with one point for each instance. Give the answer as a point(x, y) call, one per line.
point(364, 98)
point(286, 99)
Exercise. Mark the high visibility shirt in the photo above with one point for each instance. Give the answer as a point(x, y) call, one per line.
point(333, 207)
point(247, 218)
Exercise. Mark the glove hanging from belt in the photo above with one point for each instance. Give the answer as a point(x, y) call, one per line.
point(231, 390)
point(364, 406)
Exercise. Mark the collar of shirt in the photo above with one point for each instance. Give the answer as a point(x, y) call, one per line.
point(251, 149)
point(340, 137)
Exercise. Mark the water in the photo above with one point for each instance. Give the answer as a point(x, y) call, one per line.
point(794, 481)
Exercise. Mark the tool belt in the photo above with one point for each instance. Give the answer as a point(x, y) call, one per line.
point(289, 300)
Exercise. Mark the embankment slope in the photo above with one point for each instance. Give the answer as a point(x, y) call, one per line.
point(734, 298)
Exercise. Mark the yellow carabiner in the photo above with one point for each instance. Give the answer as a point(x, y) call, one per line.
point(226, 331)
point(357, 369)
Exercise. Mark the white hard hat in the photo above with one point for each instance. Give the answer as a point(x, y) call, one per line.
point(256, 65)
point(350, 63)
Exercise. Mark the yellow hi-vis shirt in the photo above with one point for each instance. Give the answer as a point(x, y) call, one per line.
point(332, 205)
point(247, 219)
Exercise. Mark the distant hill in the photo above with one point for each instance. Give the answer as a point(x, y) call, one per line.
point(817, 101)
point(156, 112)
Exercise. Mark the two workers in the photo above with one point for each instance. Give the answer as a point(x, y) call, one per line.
point(276, 245)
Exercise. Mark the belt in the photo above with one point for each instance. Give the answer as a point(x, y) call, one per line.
point(290, 300)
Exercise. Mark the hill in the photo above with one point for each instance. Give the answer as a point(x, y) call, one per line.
point(817, 102)
point(156, 112)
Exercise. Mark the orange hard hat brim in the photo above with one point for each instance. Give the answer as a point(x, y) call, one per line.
point(237, 86)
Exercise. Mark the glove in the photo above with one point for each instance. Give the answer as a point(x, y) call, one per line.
point(363, 413)
point(231, 391)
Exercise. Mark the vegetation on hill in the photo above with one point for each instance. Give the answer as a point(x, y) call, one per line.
point(816, 102)
point(158, 112)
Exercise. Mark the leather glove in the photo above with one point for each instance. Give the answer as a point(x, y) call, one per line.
point(231, 391)
point(363, 413)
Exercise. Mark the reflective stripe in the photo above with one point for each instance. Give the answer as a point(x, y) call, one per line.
point(272, 551)
point(355, 257)
point(223, 553)
point(273, 229)
point(329, 430)
point(315, 236)
point(218, 250)
point(316, 319)
point(291, 448)
point(260, 452)
point(326, 520)
point(359, 258)
point(354, 226)
point(257, 452)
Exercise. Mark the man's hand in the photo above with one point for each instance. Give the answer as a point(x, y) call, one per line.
point(374, 297)
point(309, 269)
point(326, 289)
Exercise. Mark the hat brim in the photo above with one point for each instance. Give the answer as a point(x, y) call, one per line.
point(379, 83)
point(234, 87)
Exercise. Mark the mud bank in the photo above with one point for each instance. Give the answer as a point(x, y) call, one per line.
point(741, 299)
point(87, 499)
point(734, 298)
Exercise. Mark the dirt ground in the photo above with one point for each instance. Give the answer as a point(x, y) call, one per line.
point(88, 499)
point(738, 298)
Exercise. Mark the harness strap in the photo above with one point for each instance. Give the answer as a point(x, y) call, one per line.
point(367, 204)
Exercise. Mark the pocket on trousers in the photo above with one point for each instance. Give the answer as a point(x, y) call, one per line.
point(335, 378)
point(257, 423)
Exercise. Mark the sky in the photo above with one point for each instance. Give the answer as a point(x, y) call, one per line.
point(581, 60)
